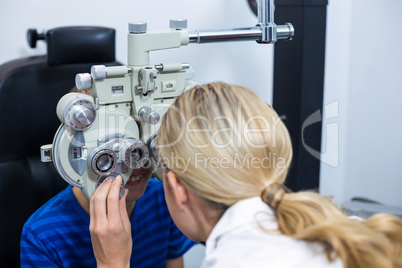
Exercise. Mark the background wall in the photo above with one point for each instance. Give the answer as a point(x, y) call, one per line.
point(245, 63)
point(363, 73)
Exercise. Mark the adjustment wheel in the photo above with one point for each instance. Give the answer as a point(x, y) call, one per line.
point(33, 36)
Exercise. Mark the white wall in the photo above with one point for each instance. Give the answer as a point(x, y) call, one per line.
point(363, 73)
point(245, 63)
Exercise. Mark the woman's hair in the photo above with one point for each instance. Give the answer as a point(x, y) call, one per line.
point(226, 144)
point(84, 91)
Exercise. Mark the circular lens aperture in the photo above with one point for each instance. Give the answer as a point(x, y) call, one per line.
point(135, 153)
point(102, 161)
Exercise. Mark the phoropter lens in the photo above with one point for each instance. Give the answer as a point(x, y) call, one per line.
point(136, 155)
point(105, 162)
point(102, 161)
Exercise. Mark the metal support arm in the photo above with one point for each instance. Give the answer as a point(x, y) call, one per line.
point(285, 32)
point(266, 31)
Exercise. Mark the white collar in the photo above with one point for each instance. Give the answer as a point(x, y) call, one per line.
point(244, 212)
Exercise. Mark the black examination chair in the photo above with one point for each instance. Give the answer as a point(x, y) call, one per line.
point(29, 91)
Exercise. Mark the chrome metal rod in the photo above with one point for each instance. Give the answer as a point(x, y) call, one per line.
point(266, 31)
point(286, 31)
point(243, 34)
point(266, 21)
point(265, 12)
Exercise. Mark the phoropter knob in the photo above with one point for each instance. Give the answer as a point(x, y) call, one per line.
point(84, 116)
point(137, 27)
point(83, 81)
point(148, 116)
point(98, 72)
point(178, 24)
point(79, 113)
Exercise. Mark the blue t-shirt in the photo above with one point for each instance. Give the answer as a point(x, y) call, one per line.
point(58, 233)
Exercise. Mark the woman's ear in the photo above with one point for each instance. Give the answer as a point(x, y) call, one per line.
point(178, 190)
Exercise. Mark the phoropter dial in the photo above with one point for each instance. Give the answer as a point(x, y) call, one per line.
point(153, 150)
point(79, 114)
point(102, 161)
point(134, 154)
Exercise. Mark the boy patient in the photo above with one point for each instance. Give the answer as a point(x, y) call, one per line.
point(58, 234)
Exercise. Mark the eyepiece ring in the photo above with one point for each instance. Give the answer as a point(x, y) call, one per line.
point(102, 161)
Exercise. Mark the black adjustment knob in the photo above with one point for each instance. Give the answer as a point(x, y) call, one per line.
point(33, 36)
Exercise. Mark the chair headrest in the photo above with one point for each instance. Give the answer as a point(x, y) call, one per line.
point(31, 87)
point(76, 44)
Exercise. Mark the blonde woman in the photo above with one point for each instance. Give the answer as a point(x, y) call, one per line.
point(225, 157)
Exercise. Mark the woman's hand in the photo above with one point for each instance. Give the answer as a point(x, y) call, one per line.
point(110, 226)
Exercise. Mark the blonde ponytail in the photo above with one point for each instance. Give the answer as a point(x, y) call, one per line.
point(307, 216)
point(390, 227)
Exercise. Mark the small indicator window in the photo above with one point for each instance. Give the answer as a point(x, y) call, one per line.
point(47, 153)
point(75, 153)
point(170, 85)
point(117, 90)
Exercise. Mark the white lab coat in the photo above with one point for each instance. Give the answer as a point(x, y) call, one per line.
point(238, 240)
